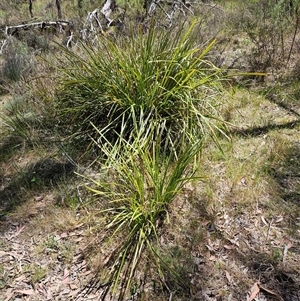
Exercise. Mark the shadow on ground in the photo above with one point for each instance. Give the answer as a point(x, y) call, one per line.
point(260, 130)
point(39, 175)
point(282, 278)
point(287, 175)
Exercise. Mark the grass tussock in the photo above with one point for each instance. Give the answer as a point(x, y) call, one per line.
point(158, 76)
point(149, 99)
point(141, 183)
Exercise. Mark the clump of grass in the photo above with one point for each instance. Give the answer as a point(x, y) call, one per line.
point(18, 62)
point(160, 75)
point(141, 183)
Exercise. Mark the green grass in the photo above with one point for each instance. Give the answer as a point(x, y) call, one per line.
point(37, 272)
point(141, 183)
point(148, 101)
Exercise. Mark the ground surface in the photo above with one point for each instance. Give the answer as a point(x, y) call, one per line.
point(234, 234)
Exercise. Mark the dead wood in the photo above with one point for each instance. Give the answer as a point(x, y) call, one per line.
point(11, 30)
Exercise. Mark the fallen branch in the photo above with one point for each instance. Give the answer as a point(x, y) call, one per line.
point(11, 30)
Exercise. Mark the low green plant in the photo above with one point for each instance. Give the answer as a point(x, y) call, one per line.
point(142, 180)
point(51, 243)
point(66, 252)
point(20, 125)
point(36, 271)
point(23, 119)
point(158, 75)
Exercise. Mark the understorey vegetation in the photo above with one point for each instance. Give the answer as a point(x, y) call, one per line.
point(149, 150)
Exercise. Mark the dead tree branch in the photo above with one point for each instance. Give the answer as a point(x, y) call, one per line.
point(107, 9)
point(169, 8)
point(3, 43)
point(11, 30)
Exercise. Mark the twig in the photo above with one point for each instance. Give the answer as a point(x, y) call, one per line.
point(69, 41)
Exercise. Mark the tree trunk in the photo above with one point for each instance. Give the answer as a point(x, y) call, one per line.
point(80, 6)
point(58, 5)
point(30, 8)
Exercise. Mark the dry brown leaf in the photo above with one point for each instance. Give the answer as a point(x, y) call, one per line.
point(40, 288)
point(66, 279)
point(254, 291)
point(19, 230)
point(66, 273)
point(264, 221)
point(288, 242)
point(209, 247)
point(243, 181)
point(76, 233)
point(12, 254)
point(20, 278)
point(75, 293)
point(85, 273)
point(79, 225)
point(228, 276)
point(73, 286)
point(229, 247)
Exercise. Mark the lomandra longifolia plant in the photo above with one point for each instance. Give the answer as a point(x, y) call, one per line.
point(142, 180)
point(161, 74)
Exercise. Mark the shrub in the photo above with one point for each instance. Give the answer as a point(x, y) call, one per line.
point(18, 63)
point(271, 29)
